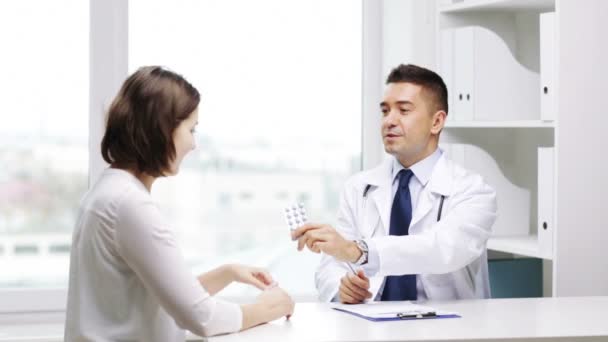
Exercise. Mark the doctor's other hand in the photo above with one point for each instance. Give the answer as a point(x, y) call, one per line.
point(324, 238)
point(354, 289)
point(254, 276)
point(276, 303)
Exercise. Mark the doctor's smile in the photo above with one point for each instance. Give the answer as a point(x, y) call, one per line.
point(390, 136)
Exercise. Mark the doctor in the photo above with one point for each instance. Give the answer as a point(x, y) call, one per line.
point(417, 224)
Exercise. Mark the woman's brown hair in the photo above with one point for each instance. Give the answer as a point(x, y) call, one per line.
point(142, 118)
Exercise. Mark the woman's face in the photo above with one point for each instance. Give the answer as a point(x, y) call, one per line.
point(183, 138)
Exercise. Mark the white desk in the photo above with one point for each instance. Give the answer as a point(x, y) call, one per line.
point(538, 319)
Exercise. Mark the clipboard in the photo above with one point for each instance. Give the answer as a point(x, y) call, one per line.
point(393, 311)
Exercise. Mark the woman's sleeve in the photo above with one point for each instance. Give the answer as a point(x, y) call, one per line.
point(148, 246)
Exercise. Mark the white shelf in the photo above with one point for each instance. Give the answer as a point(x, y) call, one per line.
point(500, 124)
point(499, 5)
point(521, 245)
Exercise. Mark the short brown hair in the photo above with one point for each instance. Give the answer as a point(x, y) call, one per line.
point(427, 79)
point(142, 118)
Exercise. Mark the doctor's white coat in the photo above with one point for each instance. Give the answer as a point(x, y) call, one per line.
point(448, 255)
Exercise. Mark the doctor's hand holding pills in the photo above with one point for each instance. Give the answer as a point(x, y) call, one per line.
point(324, 238)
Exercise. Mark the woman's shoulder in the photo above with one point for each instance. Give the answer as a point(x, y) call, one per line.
point(114, 190)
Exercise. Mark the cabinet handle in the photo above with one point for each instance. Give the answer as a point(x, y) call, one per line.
point(460, 97)
point(545, 90)
point(468, 97)
point(545, 225)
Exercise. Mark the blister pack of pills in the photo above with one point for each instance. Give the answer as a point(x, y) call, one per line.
point(295, 216)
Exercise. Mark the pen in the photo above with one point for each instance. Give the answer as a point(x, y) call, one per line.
point(351, 268)
point(416, 314)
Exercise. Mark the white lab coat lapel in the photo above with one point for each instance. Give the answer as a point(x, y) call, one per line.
point(380, 181)
point(439, 184)
point(382, 200)
point(425, 203)
point(370, 218)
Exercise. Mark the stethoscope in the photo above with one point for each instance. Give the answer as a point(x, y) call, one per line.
point(440, 201)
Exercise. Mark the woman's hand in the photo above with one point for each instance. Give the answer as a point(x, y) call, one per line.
point(271, 304)
point(218, 278)
point(276, 302)
point(254, 276)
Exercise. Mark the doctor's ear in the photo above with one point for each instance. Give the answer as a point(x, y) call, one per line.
point(438, 121)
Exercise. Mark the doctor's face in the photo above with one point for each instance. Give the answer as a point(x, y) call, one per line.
point(410, 129)
point(184, 140)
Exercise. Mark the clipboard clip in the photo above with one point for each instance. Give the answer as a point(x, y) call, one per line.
point(413, 314)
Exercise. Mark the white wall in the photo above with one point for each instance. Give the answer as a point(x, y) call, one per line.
point(396, 32)
point(409, 33)
point(582, 168)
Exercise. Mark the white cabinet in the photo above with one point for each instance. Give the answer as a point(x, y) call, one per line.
point(527, 94)
point(493, 62)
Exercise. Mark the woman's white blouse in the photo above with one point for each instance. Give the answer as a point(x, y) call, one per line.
point(128, 279)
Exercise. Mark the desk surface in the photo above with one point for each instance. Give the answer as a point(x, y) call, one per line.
point(554, 319)
point(567, 319)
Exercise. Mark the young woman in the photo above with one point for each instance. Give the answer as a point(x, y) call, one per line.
point(128, 279)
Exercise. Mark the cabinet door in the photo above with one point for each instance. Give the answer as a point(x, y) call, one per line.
point(464, 73)
point(446, 68)
point(547, 66)
point(545, 201)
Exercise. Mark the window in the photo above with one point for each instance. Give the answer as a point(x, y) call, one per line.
point(43, 136)
point(280, 122)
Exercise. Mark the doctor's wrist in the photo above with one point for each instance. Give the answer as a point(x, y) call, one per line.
point(353, 253)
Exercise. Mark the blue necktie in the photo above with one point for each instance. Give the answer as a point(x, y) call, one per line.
point(401, 287)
